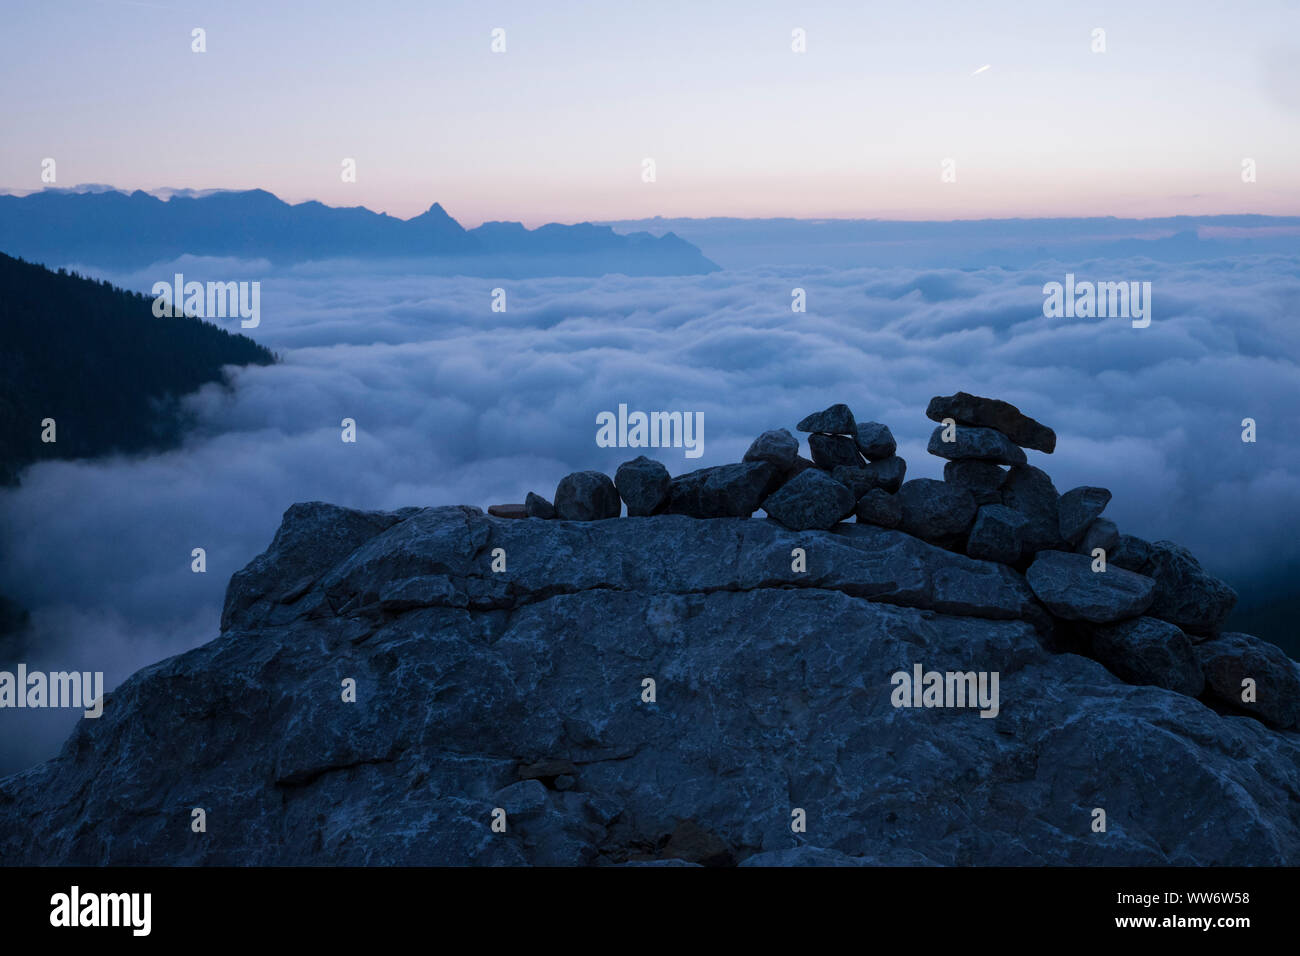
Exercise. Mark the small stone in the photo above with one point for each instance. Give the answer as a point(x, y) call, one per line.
point(538, 507)
point(800, 464)
point(586, 496)
point(565, 782)
point(995, 535)
point(1071, 590)
point(879, 507)
point(776, 446)
point(1131, 553)
point(1102, 533)
point(810, 500)
point(888, 473)
point(983, 479)
point(975, 444)
point(934, 510)
point(836, 420)
point(643, 484)
point(875, 441)
point(830, 451)
point(967, 409)
point(508, 511)
point(1146, 650)
point(1077, 509)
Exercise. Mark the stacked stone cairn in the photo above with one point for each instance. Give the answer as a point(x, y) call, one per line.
point(1147, 611)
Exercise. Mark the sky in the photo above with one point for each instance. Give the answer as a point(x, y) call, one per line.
point(558, 126)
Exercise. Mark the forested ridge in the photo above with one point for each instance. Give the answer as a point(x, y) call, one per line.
point(95, 359)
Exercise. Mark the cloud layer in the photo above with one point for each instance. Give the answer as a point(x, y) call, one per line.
point(455, 403)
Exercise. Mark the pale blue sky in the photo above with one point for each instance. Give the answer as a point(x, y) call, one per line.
point(557, 127)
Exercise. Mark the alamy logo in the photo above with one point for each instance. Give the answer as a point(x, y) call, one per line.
point(653, 430)
point(216, 300)
point(924, 688)
point(1102, 300)
point(75, 908)
point(83, 690)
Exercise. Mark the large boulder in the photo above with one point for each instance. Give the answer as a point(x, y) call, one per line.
point(1070, 589)
point(586, 496)
point(879, 507)
point(1185, 594)
point(983, 479)
point(643, 485)
point(996, 534)
point(1030, 491)
point(775, 689)
point(811, 499)
point(832, 451)
point(875, 441)
point(1230, 660)
point(725, 491)
point(1077, 509)
point(935, 510)
point(975, 444)
point(1147, 650)
point(836, 420)
point(967, 409)
point(776, 447)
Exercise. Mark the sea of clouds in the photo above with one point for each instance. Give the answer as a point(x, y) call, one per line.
point(455, 403)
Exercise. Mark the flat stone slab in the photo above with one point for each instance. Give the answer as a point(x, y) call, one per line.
point(1070, 589)
point(967, 409)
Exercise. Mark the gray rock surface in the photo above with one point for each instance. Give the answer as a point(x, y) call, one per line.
point(1147, 650)
point(1186, 594)
point(935, 510)
point(1070, 589)
point(967, 409)
point(725, 491)
point(975, 444)
point(996, 534)
point(875, 441)
point(773, 691)
point(1077, 509)
point(811, 499)
point(587, 496)
point(879, 507)
point(1232, 658)
point(642, 483)
point(832, 451)
point(776, 447)
point(836, 420)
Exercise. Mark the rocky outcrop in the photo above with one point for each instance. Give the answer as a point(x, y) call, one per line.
point(441, 686)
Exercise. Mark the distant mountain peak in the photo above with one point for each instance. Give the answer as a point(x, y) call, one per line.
point(97, 227)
